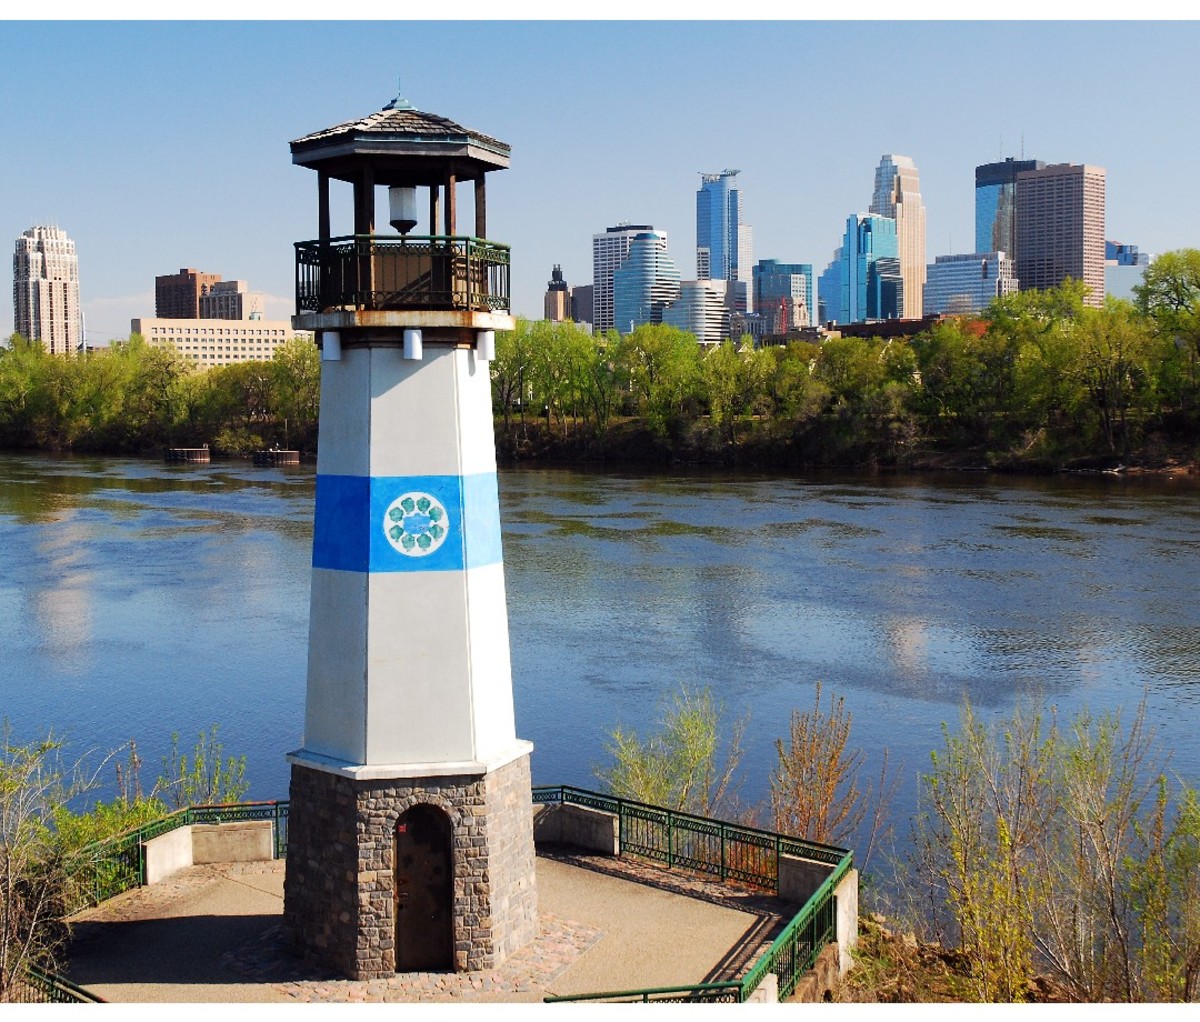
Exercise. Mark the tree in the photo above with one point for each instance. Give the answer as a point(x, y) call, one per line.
point(510, 369)
point(1170, 285)
point(679, 766)
point(205, 779)
point(1063, 850)
point(816, 789)
point(1116, 366)
point(663, 366)
point(986, 812)
point(296, 383)
point(724, 374)
point(34, 787)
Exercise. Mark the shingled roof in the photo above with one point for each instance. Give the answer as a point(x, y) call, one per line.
point(401, 125)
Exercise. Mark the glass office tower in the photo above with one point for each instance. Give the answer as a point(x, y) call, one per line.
point(724, 242)
point(996, 204)
point(870, 291)
point(777, 285)
point(645, 284)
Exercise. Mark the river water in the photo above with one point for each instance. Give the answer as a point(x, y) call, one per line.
point(139, 599)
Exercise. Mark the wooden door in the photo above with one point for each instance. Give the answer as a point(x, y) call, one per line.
point(424, 891)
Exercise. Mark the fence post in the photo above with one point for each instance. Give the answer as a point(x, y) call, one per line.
point(670, 840)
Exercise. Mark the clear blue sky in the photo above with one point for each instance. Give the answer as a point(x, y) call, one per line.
point(162, 145)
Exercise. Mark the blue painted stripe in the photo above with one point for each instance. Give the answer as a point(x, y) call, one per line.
point(448, 523)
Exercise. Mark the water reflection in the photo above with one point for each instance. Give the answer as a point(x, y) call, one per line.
point(140, 599)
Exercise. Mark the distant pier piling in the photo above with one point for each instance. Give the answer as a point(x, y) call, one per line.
point(192, 455)
point(277, 457)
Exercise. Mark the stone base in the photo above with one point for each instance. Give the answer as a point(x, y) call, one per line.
point(338, 906)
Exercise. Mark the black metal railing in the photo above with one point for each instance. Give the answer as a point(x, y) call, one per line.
point(368, 272)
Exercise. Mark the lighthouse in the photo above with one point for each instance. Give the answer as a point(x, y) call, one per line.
point(410, 843)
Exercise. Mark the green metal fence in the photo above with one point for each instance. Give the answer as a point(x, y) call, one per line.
point(795, 950)
point(707, 846)
point(105, 869)
point(41, 987)
point(727, 851)
point(704, 993)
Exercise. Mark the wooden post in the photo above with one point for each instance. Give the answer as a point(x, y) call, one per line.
point(364, 223)
point(323, 205)
point(434, 208)
point(480, 208)
point(451, 205)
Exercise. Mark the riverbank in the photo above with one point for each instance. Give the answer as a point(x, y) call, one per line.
point(764, 444)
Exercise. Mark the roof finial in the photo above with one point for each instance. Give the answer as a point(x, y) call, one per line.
point(399, 103)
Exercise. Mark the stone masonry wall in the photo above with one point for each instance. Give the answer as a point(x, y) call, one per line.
point(338, 897)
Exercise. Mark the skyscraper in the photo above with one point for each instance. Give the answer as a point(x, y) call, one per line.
point(1124, 269)
point(609, 250)
point(46, 290)
point(996, 204)
point(872, 281)
point(645, 283)
point(783, 295)
point(898, 196)
point(724, 242)
point(1060, 227)
point(829, 290)
point(557, 303)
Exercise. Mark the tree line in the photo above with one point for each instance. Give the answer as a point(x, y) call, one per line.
point(132, 398)
point(1037, 380)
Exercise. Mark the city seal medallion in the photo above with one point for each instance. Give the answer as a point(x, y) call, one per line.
point(416, 524)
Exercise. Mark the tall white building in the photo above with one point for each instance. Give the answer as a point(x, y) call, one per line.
point(701, 309)
point(609, 250)
point(898, 196)
point(46, 290)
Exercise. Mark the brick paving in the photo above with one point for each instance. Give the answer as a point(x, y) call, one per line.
point(527, 975)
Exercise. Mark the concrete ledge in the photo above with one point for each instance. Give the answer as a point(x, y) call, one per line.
point(243, 841)
point(767, 992)
point(200, 843)
point(408, 771)
point(800, 878)
point(589, 829)
point(846, 897)
point(168, 853)
point(389, 319)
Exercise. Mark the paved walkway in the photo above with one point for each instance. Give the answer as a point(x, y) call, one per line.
point(212, 933)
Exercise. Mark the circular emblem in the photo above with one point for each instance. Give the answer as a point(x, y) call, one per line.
point(415, 524)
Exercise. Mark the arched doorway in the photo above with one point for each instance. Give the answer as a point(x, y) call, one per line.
point(424, 891)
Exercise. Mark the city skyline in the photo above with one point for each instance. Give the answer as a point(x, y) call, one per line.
point(143, 190)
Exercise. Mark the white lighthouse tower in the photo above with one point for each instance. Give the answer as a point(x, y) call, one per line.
point(410, 844)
